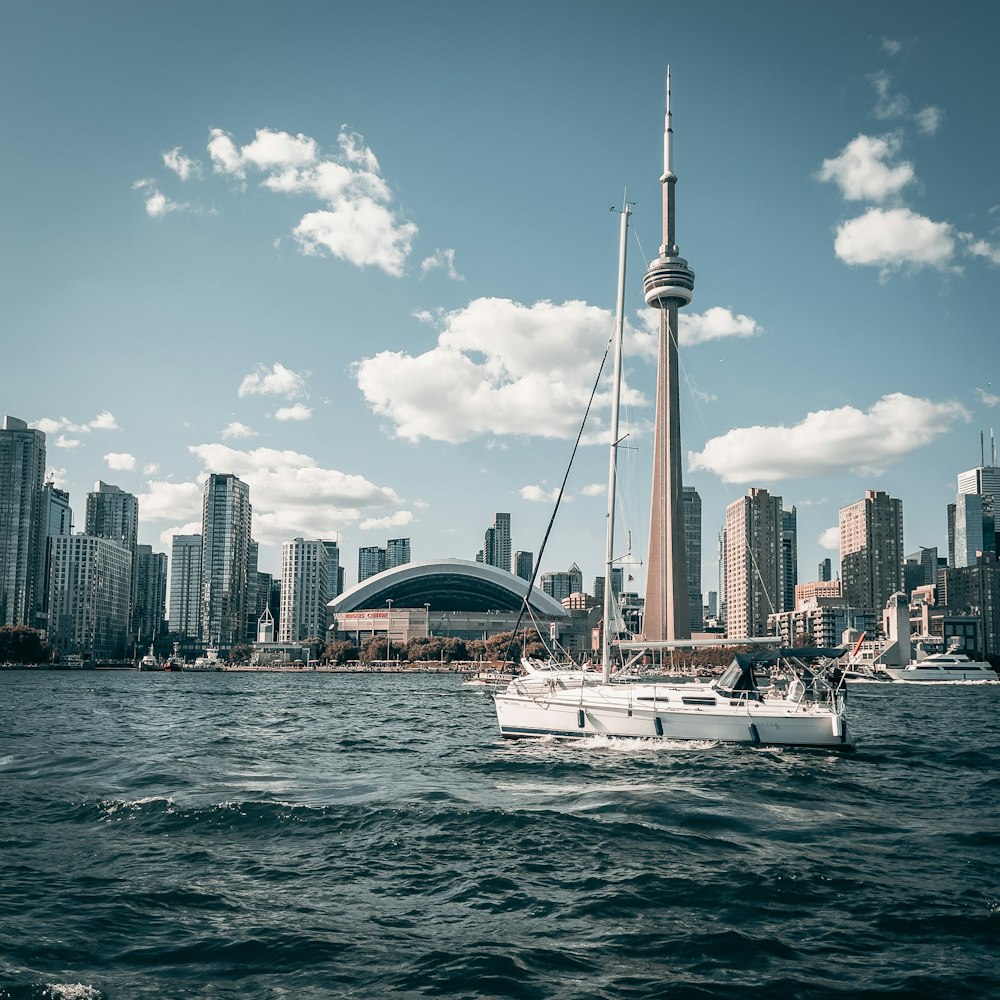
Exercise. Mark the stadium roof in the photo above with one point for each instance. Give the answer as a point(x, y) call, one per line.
point(447, 585)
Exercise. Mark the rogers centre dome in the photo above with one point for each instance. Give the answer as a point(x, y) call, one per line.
point(447, 585)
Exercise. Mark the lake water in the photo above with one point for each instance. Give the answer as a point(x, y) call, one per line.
point(275, 835)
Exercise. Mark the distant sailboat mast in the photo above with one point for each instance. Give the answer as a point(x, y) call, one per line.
point(610, 617)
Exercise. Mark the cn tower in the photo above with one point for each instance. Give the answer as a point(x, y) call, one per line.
point(668, 285)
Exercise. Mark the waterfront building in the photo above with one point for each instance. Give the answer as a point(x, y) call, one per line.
point(113, 513)
point(822, 622)
point(90, 594)
point(371, 560)
point(721, 559)
point(754, 583)
point(668, 285)
point(691, 513)
point(825, 570)
point(22, 473)
point(496, 543)
point(56, 520)
point(225, 555)
point(185, 586)
point(397, 553)
point(335, 572)
point(304, 594)
point(974, 593)
point(150, 592)
point(524, 564)
point(973, 525)
point(789, 558)
point(560, 585)
point(871, 550)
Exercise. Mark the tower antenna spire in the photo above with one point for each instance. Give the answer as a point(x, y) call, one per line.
point(668, 285)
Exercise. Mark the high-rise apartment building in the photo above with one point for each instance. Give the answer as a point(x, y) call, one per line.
point(496, 543)
point(305, 579)
point(871, 550)
point(150, 592)
point(789, 558)
point(335, 575)
point(185, 585)
point(90, 593)
point(524, 564)
point(57, 520)
point(225, 556)
point(371, 560)
point(754, 583)
point(561, 585)
point(113, 513)
point(397, 552)
point(22, 475)
point(691, 512)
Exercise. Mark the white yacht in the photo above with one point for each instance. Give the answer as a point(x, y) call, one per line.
point(943, 667)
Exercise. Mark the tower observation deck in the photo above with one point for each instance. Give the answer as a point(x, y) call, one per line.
point(668, 285)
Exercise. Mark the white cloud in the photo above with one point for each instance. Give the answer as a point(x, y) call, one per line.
point(358, 225)
point(279, 381)
point(498, 368)
point(861, 170)
point(180, 164)
point(929, 120)
point(887, 104)
point(292, 495)
point(891, 47)
point(104, 421)
point(295, 412)
point(151, 469)
point(167, 501)
point(595, 490)
point(829, 538)
point(986, 397)
point(158, 204)
point(67, 442)
point(441, 258)
point(237, 430)
point(361, 232)
point(536, 494)
point(829, 442)
point(980, 248)
point(120, 460)
point(895, 238)
point(713, 324)
point(398, 520)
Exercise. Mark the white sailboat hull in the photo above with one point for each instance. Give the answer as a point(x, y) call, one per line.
point(621, 711)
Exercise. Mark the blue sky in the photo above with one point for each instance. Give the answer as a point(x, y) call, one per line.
point(362, 256)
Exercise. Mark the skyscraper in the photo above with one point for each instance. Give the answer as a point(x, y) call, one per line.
point(225, 554)
point(789, 558)
point(753, 563)
point(22, 474)
point(691, 508)
point(185, 585)
point(113, 513)
point(334, 586)
point(397, 552)
point(871, 550)
point(524, 564)
point(56, 520)
point(668, 285)
point(561, 585)
point(496, 543)
point(150, 592)
point(371, 560)
point(90, 594)
point(304, 595)
point(825, 570)
point(975, 520)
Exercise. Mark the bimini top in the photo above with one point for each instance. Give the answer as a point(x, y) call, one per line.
point(447, 585)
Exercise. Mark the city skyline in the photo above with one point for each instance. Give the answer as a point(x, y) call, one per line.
point(383, 342)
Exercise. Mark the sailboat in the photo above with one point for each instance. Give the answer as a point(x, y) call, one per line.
point(801, 703)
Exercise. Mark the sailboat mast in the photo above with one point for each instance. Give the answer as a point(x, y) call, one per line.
point(609, 598)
